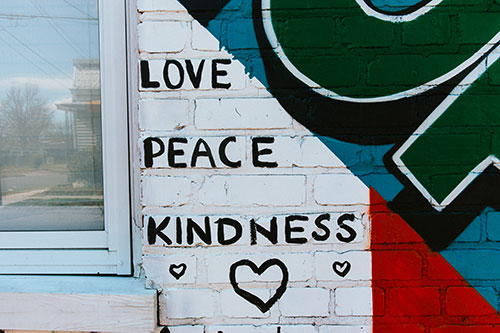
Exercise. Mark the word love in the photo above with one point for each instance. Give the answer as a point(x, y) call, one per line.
point(201, 151)
point(176, 73)
point(290, 229)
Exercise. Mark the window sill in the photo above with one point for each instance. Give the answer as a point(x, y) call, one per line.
point(73, 303)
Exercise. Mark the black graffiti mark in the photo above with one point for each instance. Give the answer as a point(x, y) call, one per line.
point(145, 78)
point(440, 229)
point(204, 10)
point(154, 231)
point(256, 152)
point(405, 11)
point(377, 123)
point(341, 268)
point(177, 271)
point(370, 123)
point(165, 330)
point(175, 149)
point(352, 233)
point(175, 66)
point(261, 305)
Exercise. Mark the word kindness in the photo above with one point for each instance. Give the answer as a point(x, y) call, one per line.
point(290, 229)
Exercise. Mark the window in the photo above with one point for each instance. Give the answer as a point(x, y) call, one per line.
point(64, 167)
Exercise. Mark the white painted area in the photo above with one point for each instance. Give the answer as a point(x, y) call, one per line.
point(262, 329)
point(184, 329)
point(340, 189)
point(162, 36)
point(163, 114)
point(305, 302)
point(232, 305)
point(188, 303)
point(202, 39)
point(308, 182)
point(261, 190)
point(240, 113)
point(345, 329)
point(158, 269)
point(353, 301)
point(165, 191)
point(156, 5)
point(360, 268)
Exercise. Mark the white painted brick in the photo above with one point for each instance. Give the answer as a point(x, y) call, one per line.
point(234, 151)
point(340, 189)
point(162, 36)
point(240, 113)
point(353, 301)
point(165, 191)
point(185, 329)
point(298, 329)
point(187, 303)
point(299, 267)
point(158, 269)
point(258, 190)
point(240, 329)
point(235, 74)
point(344, 329)
point(305, 302)
point(360, 265)
point(309, 152)
point(235, 306)
point(163, 114)
point(153, 5)
point(203, 40)
point(262, 329)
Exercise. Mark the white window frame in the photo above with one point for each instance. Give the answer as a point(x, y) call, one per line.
point(91, 252)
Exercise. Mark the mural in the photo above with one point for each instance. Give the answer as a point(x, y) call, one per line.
point(406, 94)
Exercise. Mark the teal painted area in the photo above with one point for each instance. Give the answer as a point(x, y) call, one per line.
point(234, 29)
point(394, 5)
point(477, 258)
point(366, 163)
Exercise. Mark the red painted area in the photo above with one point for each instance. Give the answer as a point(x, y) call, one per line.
point(415, 289)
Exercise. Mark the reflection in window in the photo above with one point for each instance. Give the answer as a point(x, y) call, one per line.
point(50, 116)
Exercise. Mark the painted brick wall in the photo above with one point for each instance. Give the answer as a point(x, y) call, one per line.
point(297, 165)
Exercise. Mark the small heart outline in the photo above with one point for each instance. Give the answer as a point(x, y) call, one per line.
point(341, 268)
point(173, 270)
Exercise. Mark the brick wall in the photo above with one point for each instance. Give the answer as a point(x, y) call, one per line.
point(257, 209)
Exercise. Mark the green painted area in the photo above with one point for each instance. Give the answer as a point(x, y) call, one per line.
point(334, 41)
point(462, 137)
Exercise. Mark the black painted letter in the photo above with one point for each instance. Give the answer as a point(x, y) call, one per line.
point(288, 229)
point(145, 76)
point(223, 156)
point(266, 151)
point(349, 229)
point(166, 75)
point(172, 152)
point(216, 72)
point(148, 151)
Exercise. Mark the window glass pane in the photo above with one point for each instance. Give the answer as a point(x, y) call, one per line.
point(50, 116)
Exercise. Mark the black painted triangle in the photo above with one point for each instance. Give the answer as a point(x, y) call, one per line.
point(204, 10)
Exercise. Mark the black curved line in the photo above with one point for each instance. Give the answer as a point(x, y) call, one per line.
point(405, 11)
point(371, 123)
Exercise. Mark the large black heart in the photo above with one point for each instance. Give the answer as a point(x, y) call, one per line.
point(260, 304)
